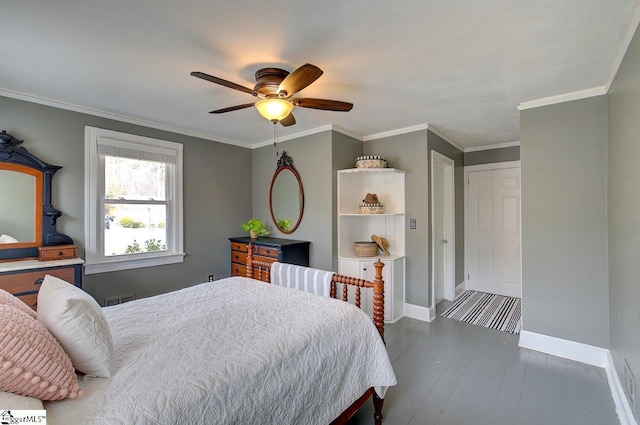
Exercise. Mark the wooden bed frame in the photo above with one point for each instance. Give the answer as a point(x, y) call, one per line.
point(260, 270)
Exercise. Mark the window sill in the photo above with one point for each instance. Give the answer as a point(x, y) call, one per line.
point(132, 263)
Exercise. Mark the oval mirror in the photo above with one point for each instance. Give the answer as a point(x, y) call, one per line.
point(286, 196)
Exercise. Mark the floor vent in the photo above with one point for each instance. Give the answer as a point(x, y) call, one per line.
point(119, 299)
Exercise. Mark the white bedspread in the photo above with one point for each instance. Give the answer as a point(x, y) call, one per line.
point(235, 351)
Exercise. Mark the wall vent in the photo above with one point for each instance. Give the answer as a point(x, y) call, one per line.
point(119, 299)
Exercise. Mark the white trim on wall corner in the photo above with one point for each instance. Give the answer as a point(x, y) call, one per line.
point(561, 98)
point(626, 41)
point(418, 312)
point(489, 147)
point(623, 408)
point(396, 132)
point(584, 353)
point(446, 137)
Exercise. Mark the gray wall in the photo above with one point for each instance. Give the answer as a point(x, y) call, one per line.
point(564, 229)
point(217, 188)
point(312, 158)
point(491, 156)
point(623, 217)
point(345, 150)
point(408, 152)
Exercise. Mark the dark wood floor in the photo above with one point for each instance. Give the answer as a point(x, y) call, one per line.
point(453, 373)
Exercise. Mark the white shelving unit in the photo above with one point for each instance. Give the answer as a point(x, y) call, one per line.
point(389, 185)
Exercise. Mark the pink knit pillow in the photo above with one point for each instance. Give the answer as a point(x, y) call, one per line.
point(7, 298)
point(32, 363)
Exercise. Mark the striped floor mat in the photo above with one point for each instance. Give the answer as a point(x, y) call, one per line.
point(488, 310)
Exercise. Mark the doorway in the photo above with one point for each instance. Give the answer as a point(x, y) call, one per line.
point(443, 228)
point(493, 253)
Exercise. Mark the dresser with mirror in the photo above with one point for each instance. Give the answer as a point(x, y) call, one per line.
point(30, 245)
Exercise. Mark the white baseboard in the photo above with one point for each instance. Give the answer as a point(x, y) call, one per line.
point(623, 408)
point(584, 353)
point(564, 348)
point(426, 314)
point(460, 289)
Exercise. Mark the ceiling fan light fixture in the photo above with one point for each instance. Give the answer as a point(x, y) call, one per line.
point(274, 109)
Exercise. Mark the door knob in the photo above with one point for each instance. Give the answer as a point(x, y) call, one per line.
point(444, 241)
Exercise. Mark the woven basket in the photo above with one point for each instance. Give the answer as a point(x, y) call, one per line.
point(365, 249)
point(371, 161)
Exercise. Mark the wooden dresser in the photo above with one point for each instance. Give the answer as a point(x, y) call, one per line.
point(23, 278)
point(267, 249)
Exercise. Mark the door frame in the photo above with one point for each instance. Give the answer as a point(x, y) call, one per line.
point(484, 167)
point(448, 166)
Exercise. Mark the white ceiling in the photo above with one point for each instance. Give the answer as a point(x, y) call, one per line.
point(461, 66)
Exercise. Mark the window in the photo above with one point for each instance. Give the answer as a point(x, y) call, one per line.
point(133, 201)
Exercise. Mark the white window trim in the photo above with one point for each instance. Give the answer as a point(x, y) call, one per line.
point(94, 261)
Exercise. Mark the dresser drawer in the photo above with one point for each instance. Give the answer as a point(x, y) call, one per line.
point(60, 252)
point(238, 270)
point(238, 257)
point(268, 251)
point(27, 282)
point(30, 299)
point(235, 246)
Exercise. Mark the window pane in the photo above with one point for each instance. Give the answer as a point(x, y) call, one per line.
point(134, 179)
point(134, 228)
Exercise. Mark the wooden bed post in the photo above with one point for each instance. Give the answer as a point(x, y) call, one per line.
point(378, 298)
point(250, 261)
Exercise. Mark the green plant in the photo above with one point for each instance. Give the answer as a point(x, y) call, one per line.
point(284, 224)
point(154, 245)
point(256, 225)
point(130, 223)
point(133, 248)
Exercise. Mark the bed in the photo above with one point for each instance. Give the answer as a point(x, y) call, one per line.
point(239, 351)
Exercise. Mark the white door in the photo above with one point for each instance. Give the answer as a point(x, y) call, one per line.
point(443, 227)
point(493, 231)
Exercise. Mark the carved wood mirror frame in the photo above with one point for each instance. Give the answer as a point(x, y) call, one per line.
point(17, 158)
point(285, 163)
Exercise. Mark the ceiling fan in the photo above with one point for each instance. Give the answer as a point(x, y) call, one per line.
point(276, 87)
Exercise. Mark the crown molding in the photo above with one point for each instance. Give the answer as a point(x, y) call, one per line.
point(397, 132)
point(446, 137)
point(561, 98)
point(117, 117)
point(626, 41)
point(293, 136)
point(309, 132)
point(496, 146)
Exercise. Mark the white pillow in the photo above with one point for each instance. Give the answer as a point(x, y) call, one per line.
point(8, 239)
point(76, 320)
point(11, 401)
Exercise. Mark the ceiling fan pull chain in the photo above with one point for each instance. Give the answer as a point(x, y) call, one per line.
point(275, 135)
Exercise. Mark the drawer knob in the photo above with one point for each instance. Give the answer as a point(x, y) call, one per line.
point(38, 281)
point(60, 253)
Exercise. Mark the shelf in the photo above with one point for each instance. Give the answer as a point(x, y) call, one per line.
point(371, 170)
point(368, 215)
point(381, 257)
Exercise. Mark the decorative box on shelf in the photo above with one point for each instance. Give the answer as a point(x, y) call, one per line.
point(371, 161)
point(57, 252)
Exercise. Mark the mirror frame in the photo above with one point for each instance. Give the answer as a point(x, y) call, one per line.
point(17, 158)
point(286, 163)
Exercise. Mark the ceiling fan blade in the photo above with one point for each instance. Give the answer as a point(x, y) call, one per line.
point(324, 104)
point(231, 108)
point(299, 79)
point(225, 83)
point(288, 120)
